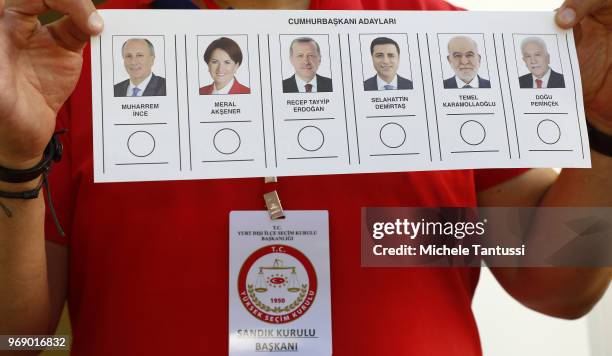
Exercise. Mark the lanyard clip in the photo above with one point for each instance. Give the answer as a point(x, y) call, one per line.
point(270, 180)
point(275, 209)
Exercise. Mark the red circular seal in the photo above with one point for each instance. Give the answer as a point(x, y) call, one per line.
point(277, 284)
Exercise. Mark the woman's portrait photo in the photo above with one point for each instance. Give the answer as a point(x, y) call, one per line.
point(223, 57)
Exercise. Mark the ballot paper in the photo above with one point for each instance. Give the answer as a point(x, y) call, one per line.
point(223, 94)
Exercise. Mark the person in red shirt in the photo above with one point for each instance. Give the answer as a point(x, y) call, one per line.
point(144, 265)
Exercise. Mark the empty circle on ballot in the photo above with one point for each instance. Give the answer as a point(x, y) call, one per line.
point(311, 138)
point(549, 132)
point(227, 141)
point(141, 144)
point(392, 135)
point(472, 132)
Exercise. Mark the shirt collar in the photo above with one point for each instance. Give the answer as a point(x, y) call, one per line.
point(474, 83)
point(300, 84)
point(226, 89)
point(382, 83)
point(142, 86)
point(545, 79)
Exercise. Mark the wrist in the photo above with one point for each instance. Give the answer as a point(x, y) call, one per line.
point(18, 164)
point(600, 141)
point(600, 124)
point(53, 153)
point(19, 187)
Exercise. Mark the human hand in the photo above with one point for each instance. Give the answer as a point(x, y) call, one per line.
point(39, 68)
point(592, 23)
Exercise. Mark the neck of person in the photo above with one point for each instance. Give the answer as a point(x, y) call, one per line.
point(543, 75)
point(306, 80)
point(469, 81)
point(136, 81)
point(387, 79)
point(221, 86)
point(258, 4)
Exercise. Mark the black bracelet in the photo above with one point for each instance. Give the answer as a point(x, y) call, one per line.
point(25, 195)
point(599, 141)
point(53, 153)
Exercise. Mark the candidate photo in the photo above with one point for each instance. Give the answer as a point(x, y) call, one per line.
point(223, 57)
point(537, 60)
point(386, 59)
point(305, 57)
point(465, 59)
point(138, 59)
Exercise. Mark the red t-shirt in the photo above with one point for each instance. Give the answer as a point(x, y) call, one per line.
point(149, 261)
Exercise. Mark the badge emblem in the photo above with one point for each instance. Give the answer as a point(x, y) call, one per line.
point(277, 284)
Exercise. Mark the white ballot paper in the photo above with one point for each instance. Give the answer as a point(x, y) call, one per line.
point(280, 298)
point(221, 94)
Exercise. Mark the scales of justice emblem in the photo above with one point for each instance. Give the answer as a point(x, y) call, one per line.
point(277, 284)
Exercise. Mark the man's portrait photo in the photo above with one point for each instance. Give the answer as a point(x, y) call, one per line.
point(536, 57)
point(305, 57)
point(385, 54)
point(138, 56)
point(224, 58)
point(465, 60)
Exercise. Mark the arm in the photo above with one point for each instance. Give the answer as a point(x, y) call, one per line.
point(24, 296)
point(568, 292)
point(39, 67)
point(560, 292)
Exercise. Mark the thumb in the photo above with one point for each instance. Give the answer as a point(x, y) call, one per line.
point(83, 14)
point(573, 11)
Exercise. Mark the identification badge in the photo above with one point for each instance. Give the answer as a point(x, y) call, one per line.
point(279, 284)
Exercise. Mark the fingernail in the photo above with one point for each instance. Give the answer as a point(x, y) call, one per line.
point(567, 16)
point(95, 22)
